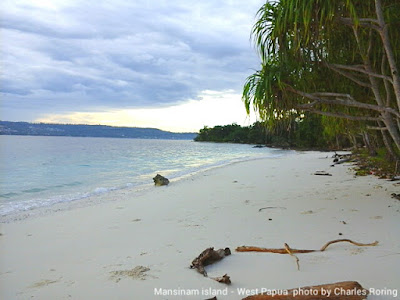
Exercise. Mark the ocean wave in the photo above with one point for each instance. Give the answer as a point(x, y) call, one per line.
point(90, 167)
point(13, 207)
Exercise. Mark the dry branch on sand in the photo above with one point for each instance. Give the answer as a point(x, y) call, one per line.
point(346, 290)
point(323, 173)
point(284, 251)
point(290, 251)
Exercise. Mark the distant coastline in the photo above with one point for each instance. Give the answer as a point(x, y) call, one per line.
point(48, 129)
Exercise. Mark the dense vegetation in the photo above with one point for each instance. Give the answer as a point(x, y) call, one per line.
point(337, 59)
point(42, 129)
point(306, 132)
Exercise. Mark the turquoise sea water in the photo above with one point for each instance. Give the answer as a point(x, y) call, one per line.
point(42, 171)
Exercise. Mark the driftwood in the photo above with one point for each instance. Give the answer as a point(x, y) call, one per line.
point(223, 279)
point(346, 290)
point(395, 196)
point(341, 158)
point(208, 257)
point(284, 251)
point(340, 161)
point(290, 251)
point(323, 173)
point(271, 207)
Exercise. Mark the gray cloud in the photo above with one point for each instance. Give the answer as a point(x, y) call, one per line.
point(87, 55)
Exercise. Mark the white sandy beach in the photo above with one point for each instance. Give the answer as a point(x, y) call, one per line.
point(95, 252)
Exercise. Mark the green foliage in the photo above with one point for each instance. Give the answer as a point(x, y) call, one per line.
point(232, 134)
point(310, 132)
point(330, 58)
point(305, 132)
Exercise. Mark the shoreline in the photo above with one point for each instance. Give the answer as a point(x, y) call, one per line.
point(137, 190)
point(129, 246)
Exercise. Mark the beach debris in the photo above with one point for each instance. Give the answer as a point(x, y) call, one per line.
point(396, 196)
point(208, 257)
point(213, 298)
point(341, 158)
point(283, 251)
point(42, 283)
point(340, 161)
point(344, 290)
point(223, 279)
point(271, 207)
point(138, 272)
point(160, 180)
point(322, 173)
point(290, 251)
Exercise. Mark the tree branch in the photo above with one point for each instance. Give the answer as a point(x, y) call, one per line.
point(328, 94)
point(361, 70)
point(349, 101)
point(340, 115)
point(376, 128)
point(365, 22)
point(348, 75)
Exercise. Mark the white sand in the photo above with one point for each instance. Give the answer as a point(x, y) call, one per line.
point(127, 248)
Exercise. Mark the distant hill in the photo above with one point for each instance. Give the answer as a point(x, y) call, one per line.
point(43, 129)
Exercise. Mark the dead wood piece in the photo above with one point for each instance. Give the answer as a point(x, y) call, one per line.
point(288, 250)
point(271, 250)
point(284, 251)
point(213, 298)
point(207, 257)
point(341, 161)
point(346, 290)
point(224, 279)
point(349, 241)
point(271, 207)
point(395, 196)
point(322, 173)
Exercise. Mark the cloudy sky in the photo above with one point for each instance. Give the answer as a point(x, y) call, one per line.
point(176, 65)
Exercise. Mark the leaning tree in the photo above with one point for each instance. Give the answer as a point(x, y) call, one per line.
point(336, 58)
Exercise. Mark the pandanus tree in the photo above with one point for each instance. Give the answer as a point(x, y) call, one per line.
point(336, 58)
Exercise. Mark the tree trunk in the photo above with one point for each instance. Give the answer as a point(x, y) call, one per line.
point(387, 118)
point(392, 128)
point(353, 139)
point(384, 33)
point(388, 144)
point(368, 144)
point(337, 142)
